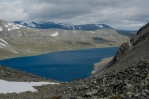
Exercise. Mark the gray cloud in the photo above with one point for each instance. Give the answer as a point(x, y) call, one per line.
point(120, 14)
point(12, 11)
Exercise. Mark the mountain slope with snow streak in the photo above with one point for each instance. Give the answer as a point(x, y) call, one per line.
point(5, 45)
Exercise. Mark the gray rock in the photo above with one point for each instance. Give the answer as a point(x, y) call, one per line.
point(91, 93)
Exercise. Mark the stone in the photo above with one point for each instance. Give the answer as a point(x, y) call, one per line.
point(137, 95)
point(93, 92)
point(121, 95)
point(146, 91)
point(95, 97)
point(95, 82)
point(129, 94)
point(143, 93)
point(116, 97)
point(80, 98)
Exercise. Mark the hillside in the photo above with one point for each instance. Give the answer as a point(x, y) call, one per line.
point(132, 51)
point(17, 40)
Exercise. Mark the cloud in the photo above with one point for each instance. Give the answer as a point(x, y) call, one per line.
point(12, 11)
point(120, 14)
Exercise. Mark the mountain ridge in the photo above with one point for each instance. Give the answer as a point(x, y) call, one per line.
point(50, 25)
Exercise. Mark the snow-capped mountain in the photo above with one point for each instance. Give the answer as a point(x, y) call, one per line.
point(48, 25)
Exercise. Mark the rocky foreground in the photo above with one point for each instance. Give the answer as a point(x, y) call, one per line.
point(131, 83)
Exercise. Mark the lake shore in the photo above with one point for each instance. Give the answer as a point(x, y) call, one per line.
point(63, 65)
point(101, 66)
point(38, 54)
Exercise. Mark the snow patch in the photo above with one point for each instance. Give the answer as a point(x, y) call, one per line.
point(15, 28)
point(17, 87)
point(55, 34)
point(12, 26)
point(14, 51)
point(19, 35)
point(6, 25)
point(100, 26)
point(32, 25)
point(73, 28)
point(8, 48)
point(20, 25)
point(2, 44)
point(9, 29)
point(1, 29)
point(3, 41)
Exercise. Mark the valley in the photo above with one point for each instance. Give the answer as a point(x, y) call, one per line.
point(17, 40)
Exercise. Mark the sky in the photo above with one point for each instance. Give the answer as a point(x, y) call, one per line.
point(119, 14)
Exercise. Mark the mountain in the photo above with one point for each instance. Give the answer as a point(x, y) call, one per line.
point(132, 51)
point(51, 25)
point(17, 40)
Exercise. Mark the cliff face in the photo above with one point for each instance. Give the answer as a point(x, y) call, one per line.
point(132, 51)
point(141, 35)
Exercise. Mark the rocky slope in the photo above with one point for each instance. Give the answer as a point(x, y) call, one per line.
point(132, 51)
point(132, 83)
point(10, 74)
point(17, 40)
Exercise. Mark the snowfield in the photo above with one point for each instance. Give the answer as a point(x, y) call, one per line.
point(12, 26)
point(55, 34)
point(4, 45)
point(17, 87)
point(3, 41)
point(1, 29)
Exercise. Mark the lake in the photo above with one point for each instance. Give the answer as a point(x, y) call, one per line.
point(62, 65)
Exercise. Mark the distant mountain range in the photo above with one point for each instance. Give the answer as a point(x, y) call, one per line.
point(50, 25)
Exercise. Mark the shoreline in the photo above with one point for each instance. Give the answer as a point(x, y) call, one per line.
point(101, 66)
point(56, 51)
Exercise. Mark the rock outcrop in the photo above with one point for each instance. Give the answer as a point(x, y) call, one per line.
point(132, 51)
point(132, 83)
point(141, 35)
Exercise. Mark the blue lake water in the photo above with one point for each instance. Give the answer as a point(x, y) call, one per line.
point(63, 65)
